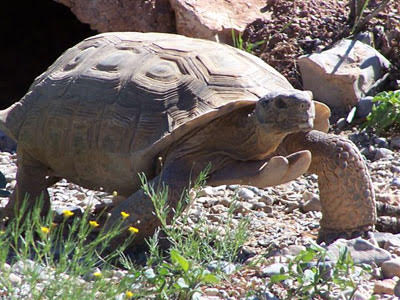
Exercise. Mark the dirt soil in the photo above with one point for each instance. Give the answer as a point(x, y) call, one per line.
point(302, 27)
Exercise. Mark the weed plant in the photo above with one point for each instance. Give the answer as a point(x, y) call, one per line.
point(311, 276)
point(385, 115)
point(71, 260)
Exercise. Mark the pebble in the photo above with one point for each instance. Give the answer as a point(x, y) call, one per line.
point(364, 107)
point(381, 142)
point(244, 207)
point(396, 182)
point(267, 200)
point(391, 268)
point(314, 204)
point(395, 142)
point(293, 250)
point(341, 123)
point(269, 296)
point(262, 206)
point(382, 238)
point(395, 169)
point(14, 279)
point(273, 269)
point(384, 287)
point(211, 291)
point(224, 266)
point(246, 195)
point(383, 153)
point(397, 289)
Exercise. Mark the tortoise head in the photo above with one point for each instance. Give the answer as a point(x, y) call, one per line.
point(286, 111)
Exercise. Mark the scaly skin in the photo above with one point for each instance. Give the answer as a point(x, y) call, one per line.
point(346, 191)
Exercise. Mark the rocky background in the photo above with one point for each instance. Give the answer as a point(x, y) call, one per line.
point(284, 219)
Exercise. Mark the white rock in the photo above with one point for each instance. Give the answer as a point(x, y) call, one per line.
point(211, 291)
point(14, 279)
point(246, 195)
point(343, 74)
point(360, 250)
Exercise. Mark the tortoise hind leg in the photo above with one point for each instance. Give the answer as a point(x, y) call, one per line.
point(346, 191)
point(31, 185)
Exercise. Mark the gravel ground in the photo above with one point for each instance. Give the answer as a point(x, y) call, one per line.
point(284, 219)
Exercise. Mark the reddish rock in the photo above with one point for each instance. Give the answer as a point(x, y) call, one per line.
point(215, 20)
point(124, 15)
point(384, 287)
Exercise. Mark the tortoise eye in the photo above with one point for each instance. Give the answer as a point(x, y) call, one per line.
point(279, 103)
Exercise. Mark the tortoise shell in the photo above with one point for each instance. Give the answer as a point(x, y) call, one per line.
point(119, 99)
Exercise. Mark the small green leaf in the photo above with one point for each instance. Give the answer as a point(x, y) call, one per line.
point(209, 278)
point(163, 271)
point(279, 277)
point(306, 255)
point(180, 260)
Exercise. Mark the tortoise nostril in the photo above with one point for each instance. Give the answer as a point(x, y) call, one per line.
point(279, 103)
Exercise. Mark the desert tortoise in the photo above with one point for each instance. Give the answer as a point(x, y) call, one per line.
point(114, 104)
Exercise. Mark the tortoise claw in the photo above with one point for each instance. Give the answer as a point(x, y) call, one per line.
point(328, 236)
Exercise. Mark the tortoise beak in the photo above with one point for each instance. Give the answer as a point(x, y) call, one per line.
point(309, 117)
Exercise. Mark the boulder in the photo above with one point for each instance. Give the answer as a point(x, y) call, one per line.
point(124, 15)
point(212, 20)
point(344, 74)
point(361, 251)
point(215, 20)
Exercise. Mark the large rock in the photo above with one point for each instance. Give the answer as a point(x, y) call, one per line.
point(124, 15)
point(215, 20)
point(361, 251)
point(207, 19)
point(343, 74)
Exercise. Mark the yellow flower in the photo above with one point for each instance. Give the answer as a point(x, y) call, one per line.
point(128, 294)
point(45, 230)
point(97, 274)
point(115, 194)
point(124, 215)
point(94, 224)
point(133, 229)
point(67, 213)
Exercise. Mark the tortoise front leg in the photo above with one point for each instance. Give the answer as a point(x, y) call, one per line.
point(140, 207)
point(346, 191)
point(262, 173)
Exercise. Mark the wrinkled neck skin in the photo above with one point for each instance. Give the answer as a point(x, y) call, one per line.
point(238, 136)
